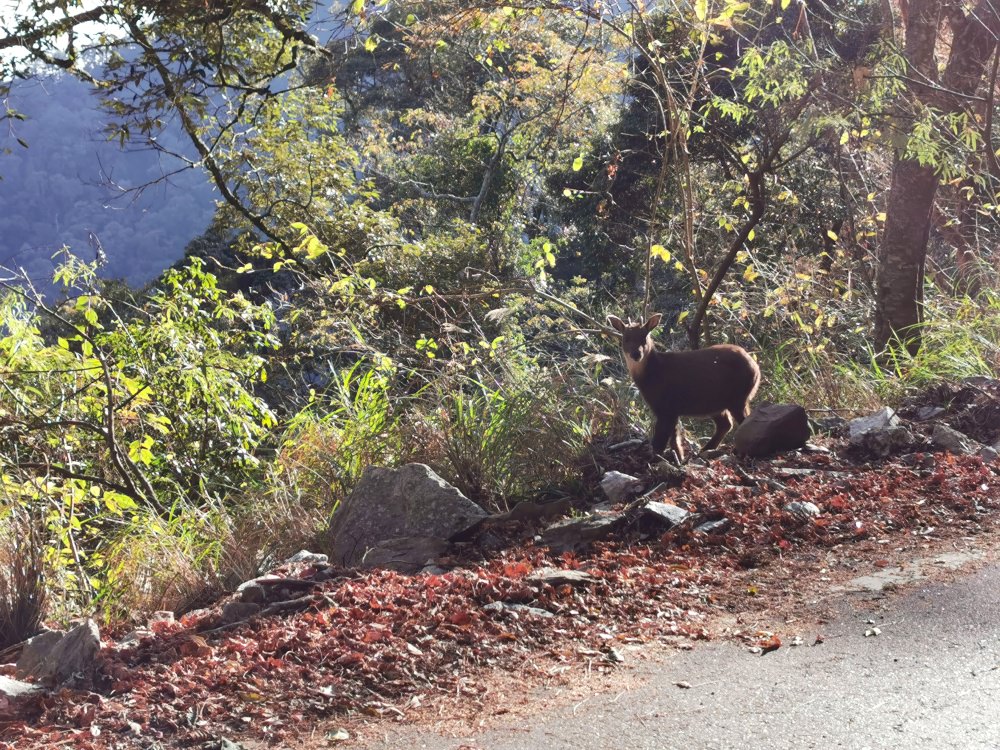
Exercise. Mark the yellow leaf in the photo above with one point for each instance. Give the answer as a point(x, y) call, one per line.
point(845, 138)
point(832, 235)
point(701, 9)
point(578, 163)
point(659, 251)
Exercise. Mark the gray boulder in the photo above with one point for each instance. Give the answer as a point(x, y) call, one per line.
point(770, 429)
point(392, 503)
point(51, 661)
point(953, 441)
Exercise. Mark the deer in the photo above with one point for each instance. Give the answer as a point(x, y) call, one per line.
point(717, 381)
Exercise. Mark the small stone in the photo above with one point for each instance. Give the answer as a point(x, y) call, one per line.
point(238, 611)
point(883, 419)
point(407, 554)
point(666, 513)
point(618, 486)
point(832, 425)
point(989, 455)
point(252, 592)
point(712, 527)
point(883, 442)
point(15, 688)
point(517, 609)
point(556, 577)
point(929, 412)
point(804, 511)
point(953, 441)
point(574, 533)
point(305, 556)
point(163, 616)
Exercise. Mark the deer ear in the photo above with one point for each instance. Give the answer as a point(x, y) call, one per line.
point(654, 320)
point(616, 323)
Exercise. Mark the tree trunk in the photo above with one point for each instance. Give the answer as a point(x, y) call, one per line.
point(899, 285)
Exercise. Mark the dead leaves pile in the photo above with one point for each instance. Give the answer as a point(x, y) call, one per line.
point(379, 641)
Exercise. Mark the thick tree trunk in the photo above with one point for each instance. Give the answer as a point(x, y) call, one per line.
point(899, 285)
point(911, 198)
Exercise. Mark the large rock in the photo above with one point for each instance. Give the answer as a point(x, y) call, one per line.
point(392, 503)
point(770, 429)
point(51, 661)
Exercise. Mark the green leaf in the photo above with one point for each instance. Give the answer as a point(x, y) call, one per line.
point(832, 235)
point(357, 7)
point(578, 163)
point(701, 9)
point(844, 138)
point(785, 4)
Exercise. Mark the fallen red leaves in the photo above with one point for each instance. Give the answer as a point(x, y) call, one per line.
point(379, 638)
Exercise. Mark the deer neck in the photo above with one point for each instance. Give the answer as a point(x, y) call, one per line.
point(638, 369)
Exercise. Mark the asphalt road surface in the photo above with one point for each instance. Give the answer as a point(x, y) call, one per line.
point(929, 679)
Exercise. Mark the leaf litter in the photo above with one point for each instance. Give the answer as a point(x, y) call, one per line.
point(378, 642)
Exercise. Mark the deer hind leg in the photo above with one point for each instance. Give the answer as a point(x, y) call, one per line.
point(723, 424)
point(741, 411)
point(665, 432)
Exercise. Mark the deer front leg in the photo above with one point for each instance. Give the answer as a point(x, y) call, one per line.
point(664, 432)
point(723, 424)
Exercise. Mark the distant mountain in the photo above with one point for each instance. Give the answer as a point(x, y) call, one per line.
point(59, 190)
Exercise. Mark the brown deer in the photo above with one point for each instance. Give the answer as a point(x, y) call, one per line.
point(716, 382)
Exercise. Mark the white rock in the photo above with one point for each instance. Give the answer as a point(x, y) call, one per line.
point(618, 486)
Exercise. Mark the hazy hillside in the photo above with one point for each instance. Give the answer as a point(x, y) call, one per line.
point(61, 188)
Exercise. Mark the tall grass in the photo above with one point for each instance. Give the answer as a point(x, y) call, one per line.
point(960, 338)
point(22, 574)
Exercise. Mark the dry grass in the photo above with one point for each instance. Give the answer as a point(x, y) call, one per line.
point(22, 575)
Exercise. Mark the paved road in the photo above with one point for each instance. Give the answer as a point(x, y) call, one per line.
point(931, 679)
